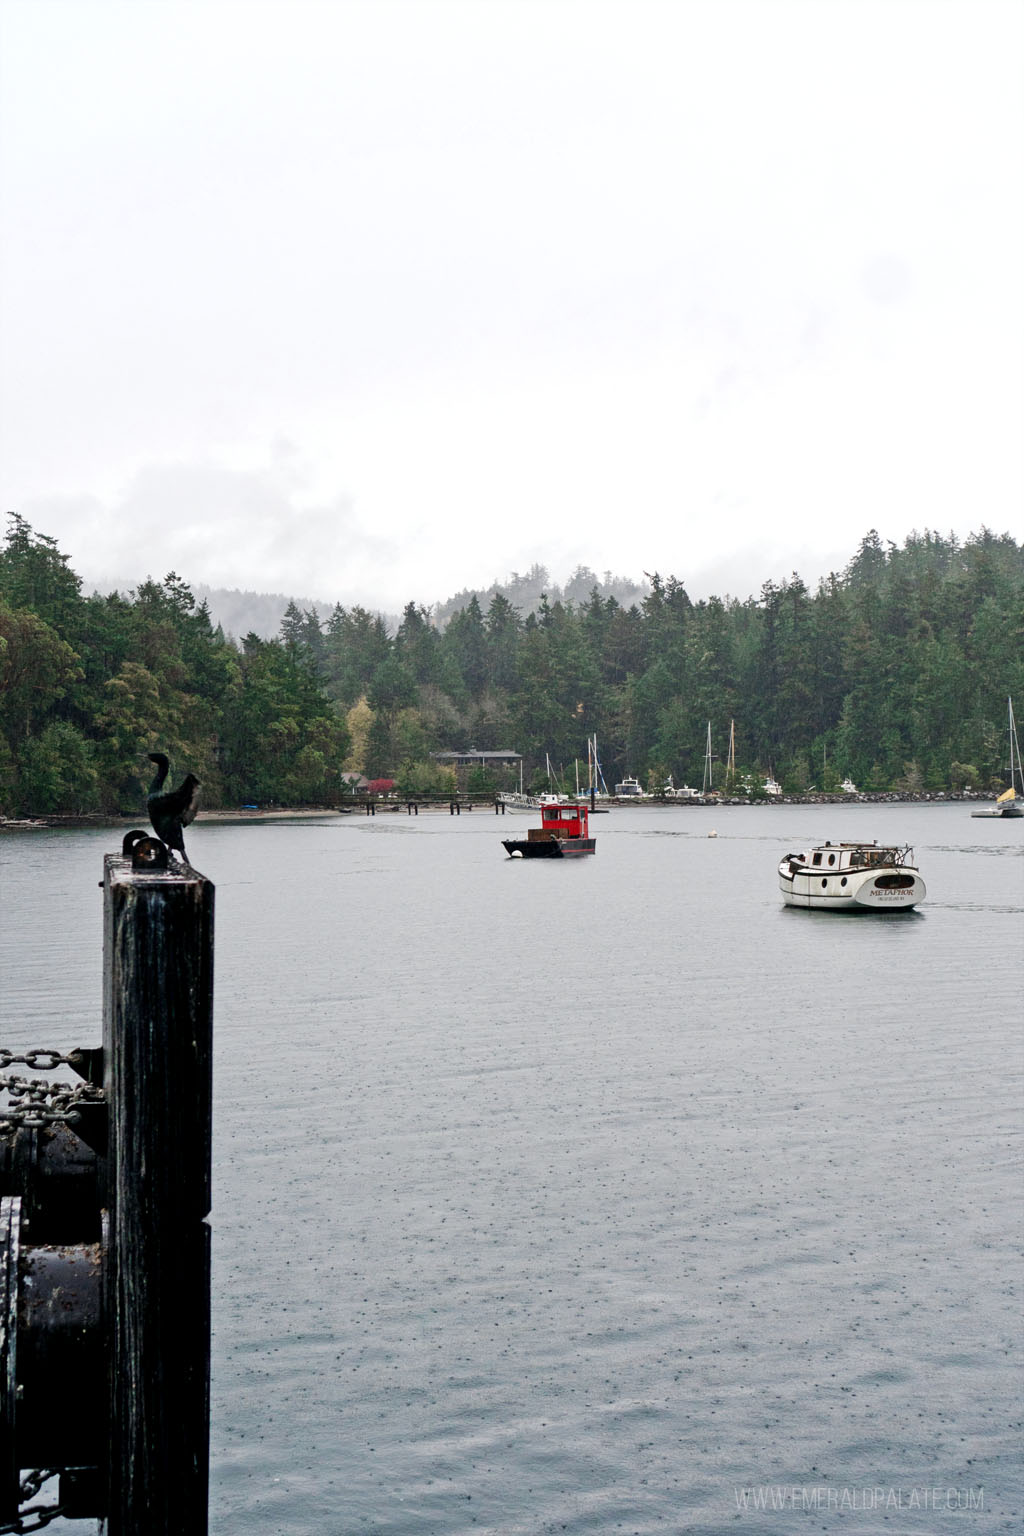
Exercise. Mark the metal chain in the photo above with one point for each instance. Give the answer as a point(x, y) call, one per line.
point(39, 1059)
point(40, 1514)
point(36, 1102)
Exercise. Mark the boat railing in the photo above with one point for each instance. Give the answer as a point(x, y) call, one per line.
point(868, 858)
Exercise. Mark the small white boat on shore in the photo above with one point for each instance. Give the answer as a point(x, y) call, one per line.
point(838, 877)
point(684, 793)
point(515, 800)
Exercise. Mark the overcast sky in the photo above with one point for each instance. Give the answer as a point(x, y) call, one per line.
point(372, 300)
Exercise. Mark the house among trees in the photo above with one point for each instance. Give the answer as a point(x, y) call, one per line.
point(472, 762)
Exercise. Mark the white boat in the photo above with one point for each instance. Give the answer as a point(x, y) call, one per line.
point(515, 800)
point(683, 793)
point(838, 877)
point(1011, 801)
point(629, 789)
point(771, 786)
point(848, 787)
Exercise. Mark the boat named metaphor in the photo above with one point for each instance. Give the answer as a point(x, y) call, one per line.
point(839, 877)
point(564, 831)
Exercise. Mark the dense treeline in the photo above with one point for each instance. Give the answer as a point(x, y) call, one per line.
point(89, 685)
point(894, 672)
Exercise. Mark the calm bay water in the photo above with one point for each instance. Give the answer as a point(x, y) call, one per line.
point(598, 1195)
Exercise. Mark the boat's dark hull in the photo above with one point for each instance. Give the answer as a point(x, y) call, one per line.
point(548, 847)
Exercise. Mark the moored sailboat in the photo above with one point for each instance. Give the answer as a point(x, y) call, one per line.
point(1011, 801)
point(708, 792)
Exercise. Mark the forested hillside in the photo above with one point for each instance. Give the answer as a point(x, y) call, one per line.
point(894, 672)
point(239, 612)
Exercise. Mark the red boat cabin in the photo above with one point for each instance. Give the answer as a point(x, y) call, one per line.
point(568, 821)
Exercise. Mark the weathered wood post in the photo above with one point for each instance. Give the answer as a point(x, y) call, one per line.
point(157, 1043)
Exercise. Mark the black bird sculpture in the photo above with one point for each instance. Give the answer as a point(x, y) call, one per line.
point(172, 810)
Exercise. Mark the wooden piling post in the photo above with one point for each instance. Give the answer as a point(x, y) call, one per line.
point(157, 1040)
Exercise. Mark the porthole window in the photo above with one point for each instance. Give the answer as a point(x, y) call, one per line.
point(843, 880)
point(831, 858)
point(824, 885)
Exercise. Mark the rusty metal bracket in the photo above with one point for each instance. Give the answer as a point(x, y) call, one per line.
point(145, 852)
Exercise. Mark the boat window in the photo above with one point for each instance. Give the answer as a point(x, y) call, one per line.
point(817, 858)
point(831, 858)
point(843, 880)
point(824, 885)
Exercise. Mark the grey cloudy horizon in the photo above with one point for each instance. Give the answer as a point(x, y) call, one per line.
point(373, 300)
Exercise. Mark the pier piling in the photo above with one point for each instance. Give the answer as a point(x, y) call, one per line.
point(157, 1043)
point(104, 1240)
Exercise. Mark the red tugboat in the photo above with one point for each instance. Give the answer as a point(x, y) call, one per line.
point(564, 831)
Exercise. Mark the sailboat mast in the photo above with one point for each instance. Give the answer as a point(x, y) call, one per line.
point(598, 772)
point(1016, 771)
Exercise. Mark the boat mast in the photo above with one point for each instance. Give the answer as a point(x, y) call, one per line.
point(730, 770)
point(1016, 771)
point(598, 773)
point(708, 781)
